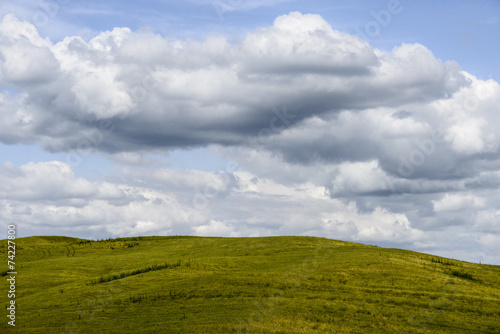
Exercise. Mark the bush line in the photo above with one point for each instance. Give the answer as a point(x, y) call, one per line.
point(136, 272)
point(462, 275)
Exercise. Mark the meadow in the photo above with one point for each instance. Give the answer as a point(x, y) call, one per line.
point(183, 284)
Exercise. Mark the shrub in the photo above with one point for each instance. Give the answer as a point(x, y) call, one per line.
point(136, 272)
point(462, 275)
point(441, 261)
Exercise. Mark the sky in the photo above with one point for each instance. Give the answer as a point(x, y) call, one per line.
point(366, 121)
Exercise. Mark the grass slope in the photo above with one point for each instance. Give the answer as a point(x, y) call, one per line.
point(245, 285)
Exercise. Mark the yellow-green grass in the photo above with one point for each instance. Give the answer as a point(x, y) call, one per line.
point(244, 285)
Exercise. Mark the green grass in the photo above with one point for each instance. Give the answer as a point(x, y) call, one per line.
point(245, 285)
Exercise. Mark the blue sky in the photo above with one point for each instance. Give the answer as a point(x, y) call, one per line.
point(208, 142)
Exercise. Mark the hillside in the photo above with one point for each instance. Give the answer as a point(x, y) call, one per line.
point(245, 285)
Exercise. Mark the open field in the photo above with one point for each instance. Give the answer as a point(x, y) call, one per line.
point(245, 285)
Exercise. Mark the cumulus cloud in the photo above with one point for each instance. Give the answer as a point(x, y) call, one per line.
point(326, 134)
point(216, 228)
point(458, 202)
point(304, 44)
point(168, 94)
point(48, 195)
point(488, 221)
point(50, 181)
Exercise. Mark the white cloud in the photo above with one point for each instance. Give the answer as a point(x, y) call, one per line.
point(216, 228)
point(27, 57)
point(49, 181)
point(414, 66)
point(458, 202)
point(491, 246)
point(360, 177)
point(467, 137)
point(488, 221)
point(491, 240)
point(380, 225)
point(299, 43)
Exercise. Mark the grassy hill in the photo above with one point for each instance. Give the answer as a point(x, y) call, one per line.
point(245, 285)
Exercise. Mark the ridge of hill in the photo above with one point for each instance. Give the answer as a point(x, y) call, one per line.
point(183, 284)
